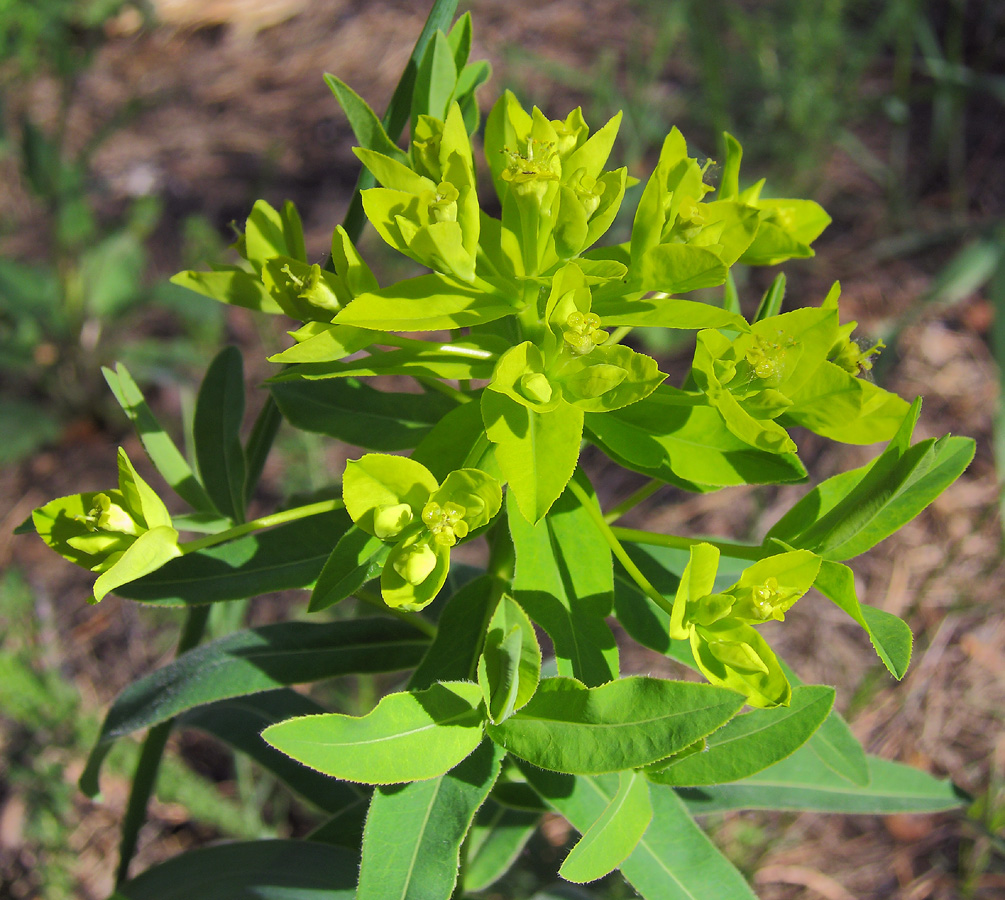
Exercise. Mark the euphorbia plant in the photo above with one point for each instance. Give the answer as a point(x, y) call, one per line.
point(515, 337)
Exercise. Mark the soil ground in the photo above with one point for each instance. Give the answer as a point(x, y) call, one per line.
point(234, 108)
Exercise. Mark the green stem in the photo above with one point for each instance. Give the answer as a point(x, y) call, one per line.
point(416, 621)
point(447, 390)
point(633, 570)
point(145, 776)
point(279, 518)
point(678, 542)
point(618, 335)
point(643, 493)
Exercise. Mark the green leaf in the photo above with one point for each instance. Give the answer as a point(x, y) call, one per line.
point(679, 268)
point(288, 556)
point(270, 232)
point(259, 659)
point(454, 653)
point(148, 553)
point(167, 458)
point(631, 722)
point(564, 581)
point(668, 312)
point(676, 435)
point(364, 122)
point(219, 411)
point(771, 302)
point(324, 342)
point(854, 511)
point(837, 748)
point(751, 742)
point(803, 782)
point(356, 559)
point(413, 836)
point(460, 360)
point(458, 441)
point(230, 285)
point(266, 870)
point(408, 736)
point(426, 303)
point(111, 272)
point(239, 723)
point(610, 840)
point(890, 636)
point(537, 452)
point(495, 840)
point(435, 80)
point(674, 860)
point(358, 414)
point(510, 665)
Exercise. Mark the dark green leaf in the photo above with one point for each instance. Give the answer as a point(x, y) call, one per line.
point(564, 581)
point(256, 660)
point(751, 742)
point(497, 838)
point(358, 414)
point(239, 723)
point(675, 860)
point(627, 723)
point(803, 782)
point(219, 411)
point(265, 870)
point(356, 559)
point(288, 556)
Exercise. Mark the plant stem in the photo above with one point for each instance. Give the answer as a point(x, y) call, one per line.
point(643, 493)
point(727, 548)
point(618, 550)
point(279, 518)
point(416, 621)
point(145, 776)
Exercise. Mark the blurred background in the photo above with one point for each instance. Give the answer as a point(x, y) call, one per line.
point(131, 135)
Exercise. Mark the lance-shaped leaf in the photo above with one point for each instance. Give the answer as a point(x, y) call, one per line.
point(455, 651)
point(461, 360)
point(358, 414)
point(324, 342)
point(269, 870)
point(219, 411)
point(610, 840)
point(288, 556)
point(510, 665)
point(751, 742)
point(497, 837)
point(271, 232)
point(564, 581)
point(365, 125)
point(230, 284)
point(890, 636)
point(674, 860)
point(408, 736)
point(166, 457)
point(259, 659)
point(413, 836)
point(426, 303)
point(665, 312)
point(852, 512)
point(631, 722)
point(804, 782)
